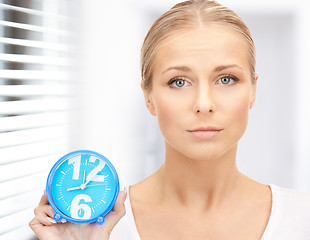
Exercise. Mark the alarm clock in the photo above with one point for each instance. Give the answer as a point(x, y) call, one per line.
point(82, 187)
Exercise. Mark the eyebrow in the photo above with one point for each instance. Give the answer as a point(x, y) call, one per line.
point(220, 68)
point(187, 69)
point(179, 68)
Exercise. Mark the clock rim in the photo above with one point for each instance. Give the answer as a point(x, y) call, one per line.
point(51, 175)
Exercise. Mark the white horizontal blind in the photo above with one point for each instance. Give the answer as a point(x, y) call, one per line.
point(36, 95)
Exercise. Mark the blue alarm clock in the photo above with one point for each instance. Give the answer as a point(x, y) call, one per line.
point(82, 187)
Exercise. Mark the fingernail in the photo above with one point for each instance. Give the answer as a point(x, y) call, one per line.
point(123, 189)
point(63, 220)
point(51, 220)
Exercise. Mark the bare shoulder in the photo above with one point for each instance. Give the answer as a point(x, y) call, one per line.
point(143, 192)
point(256, 190)
point(145, 206)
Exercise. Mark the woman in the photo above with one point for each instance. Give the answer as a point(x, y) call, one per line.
point(199, 80)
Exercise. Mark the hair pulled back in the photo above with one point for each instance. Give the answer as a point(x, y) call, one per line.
point(185, 15)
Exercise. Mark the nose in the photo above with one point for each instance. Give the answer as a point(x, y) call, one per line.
point(204, 100)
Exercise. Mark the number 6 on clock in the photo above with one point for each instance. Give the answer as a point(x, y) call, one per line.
point(76, 207)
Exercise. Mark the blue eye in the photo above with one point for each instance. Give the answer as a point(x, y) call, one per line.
point(178, 83)
point(227, 80)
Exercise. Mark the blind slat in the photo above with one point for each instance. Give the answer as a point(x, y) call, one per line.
point(32, 135)
point(31, 106)
point(34, 75)
point(35, 28)
point(22, 58)
point(30, 151)
point(33, 121)
point(23, 230)
point(15, 221)
point(36, 44)
point(26, 168)
point(34, 12)
point(22, 185)
point(17, 203)
point(35, 90)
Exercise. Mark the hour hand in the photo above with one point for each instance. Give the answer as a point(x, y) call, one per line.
point(73, 188)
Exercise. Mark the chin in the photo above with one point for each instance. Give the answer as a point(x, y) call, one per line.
point(205, 152)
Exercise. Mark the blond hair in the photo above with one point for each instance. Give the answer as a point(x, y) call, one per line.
point(189, 14)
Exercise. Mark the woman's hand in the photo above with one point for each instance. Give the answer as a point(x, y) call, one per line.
point(45, 227)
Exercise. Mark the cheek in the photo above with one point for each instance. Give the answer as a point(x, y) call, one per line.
point(168, 111)
point(238, 110)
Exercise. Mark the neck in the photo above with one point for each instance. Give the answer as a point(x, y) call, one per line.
point(202, 183)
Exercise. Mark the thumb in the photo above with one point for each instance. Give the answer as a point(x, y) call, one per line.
point(117, 212)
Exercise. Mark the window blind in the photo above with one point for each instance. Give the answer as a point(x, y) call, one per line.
point(36, 104)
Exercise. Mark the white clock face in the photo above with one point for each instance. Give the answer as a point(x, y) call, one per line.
point(84, 187)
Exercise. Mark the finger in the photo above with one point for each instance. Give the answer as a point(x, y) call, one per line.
point(47, 210)
point(45, 215)
point(35, 225)
point(119, 204)
point(117, 212)
point(43, 219)
point(43, 200)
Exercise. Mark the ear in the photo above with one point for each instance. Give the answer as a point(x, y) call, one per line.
point(148, 101)
point(253, 97)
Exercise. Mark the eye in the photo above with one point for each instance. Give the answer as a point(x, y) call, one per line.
point(227, 80)
point(178, 83)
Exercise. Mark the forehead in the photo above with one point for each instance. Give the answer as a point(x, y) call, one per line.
point(208, 45)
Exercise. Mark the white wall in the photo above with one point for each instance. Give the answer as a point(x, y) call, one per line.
point(115, 121)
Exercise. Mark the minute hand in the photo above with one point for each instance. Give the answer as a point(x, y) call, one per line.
point(91, 175)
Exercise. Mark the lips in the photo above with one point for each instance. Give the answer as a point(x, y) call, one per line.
point(205, 133)
point(205, 129)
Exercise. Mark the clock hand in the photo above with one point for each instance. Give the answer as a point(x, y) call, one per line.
point(76, 188)
point(83, 186)
point(73, 188)
point(84, 177)
point(91, 175)
point(96, 185)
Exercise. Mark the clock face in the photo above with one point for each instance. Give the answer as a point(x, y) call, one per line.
point(82, 186)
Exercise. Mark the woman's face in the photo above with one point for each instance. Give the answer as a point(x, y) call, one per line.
point(202, 91)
